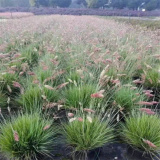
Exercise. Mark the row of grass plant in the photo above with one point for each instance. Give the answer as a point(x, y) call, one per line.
point(90, 93)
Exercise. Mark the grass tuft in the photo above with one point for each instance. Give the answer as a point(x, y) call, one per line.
point(85, 135)
point(25, 137)
point(141, 128)
point(31, 99)
point(126, 98)
point(77, 96)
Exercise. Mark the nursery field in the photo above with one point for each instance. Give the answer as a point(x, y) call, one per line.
point(14, 14)
point(152, 23)
point(79, 88)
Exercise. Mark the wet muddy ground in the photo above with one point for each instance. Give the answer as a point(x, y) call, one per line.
point(116, 151)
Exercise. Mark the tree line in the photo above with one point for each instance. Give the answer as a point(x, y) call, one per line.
point(50, 3)
point(119, 4)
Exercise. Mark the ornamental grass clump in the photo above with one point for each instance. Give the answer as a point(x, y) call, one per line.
point(126, 98)
point(74, 77)
point(152, 78)
point(51, 95)
point(77, 96)
point(87, 133)
point(32, 99)
point(42, 75)
point(3, 100)
point(6, 83)
point(142, 131)
point(31, 55)
point(27, 137)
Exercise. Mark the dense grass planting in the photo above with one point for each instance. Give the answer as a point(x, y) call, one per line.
point(146, 22)
point(78, 82)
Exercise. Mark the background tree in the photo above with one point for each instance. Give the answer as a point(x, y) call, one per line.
point(120, 4)
point(60, 3)
point(152, 4)
point(6, 3)
point(53, 3)
point(101, 3)
point(45, 3)
point(64, 3)
point(82, 2)
point(34, 3)
point(21, 3)
point(14, 3)
point(92, 3)
point(134, 4)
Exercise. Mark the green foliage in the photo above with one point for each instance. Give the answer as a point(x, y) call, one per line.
point(151, 24)
point(33, 3)
point(43, 2)
point(14, 3)
point(81, 68)
point(6, 81)
point(152, 4)
point(5, 3)
point(84, 136)
point(140, 127)
point(73, 76)
point(101, 3)
point(31, 100)
point(32, 139)
point(120, 4)
point(81, 2)
point(52, 96)
point(3, 100)
point(64, 3)
point(31, 55)
point(77, 96)
point(152, 78)
point(126, 98)
point(43, 75)
point(91, 3)
point(47, 3)
point(112, 72)
point(135, 4)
